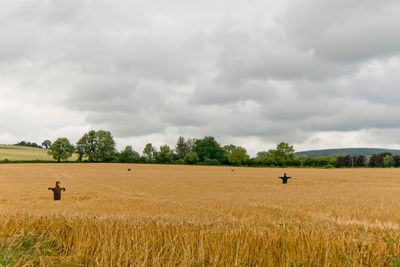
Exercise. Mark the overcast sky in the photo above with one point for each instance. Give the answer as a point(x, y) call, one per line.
point(316, 74)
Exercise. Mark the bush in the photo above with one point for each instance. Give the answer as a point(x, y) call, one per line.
point(179, 162)
point(24, 143)
point(191, 158)
point(211, 162)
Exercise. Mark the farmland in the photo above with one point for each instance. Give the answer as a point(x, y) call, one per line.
point(26, 153)
point(13, 152)
point(166, 215)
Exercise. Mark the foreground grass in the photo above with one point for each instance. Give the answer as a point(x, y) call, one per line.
point(111, 241)
point(31, 248)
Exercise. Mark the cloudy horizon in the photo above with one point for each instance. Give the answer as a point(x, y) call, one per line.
point(315, 74)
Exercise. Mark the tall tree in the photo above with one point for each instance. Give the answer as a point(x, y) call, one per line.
point(149, 152)
point(165, 155)
point(97, 146)
point(105, 145)
point(209, 148)
point(182, 147)
point(264, 157)
point(191, 144)
point(61, 149)
point(377, 159)
point(282, 154)
point(238, 156)
point(388, 161)
point(87, 145)
point(128, 155)
point(46, 144)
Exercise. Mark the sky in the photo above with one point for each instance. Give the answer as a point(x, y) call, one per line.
point(316, 74)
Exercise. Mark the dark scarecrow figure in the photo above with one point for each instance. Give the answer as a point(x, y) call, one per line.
point(285, 178)
point(57, 191)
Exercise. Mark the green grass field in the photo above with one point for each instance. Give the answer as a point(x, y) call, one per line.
point(11, 152)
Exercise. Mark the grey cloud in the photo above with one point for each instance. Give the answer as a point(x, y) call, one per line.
point(103, 94)
point(125, 125)
point(268, 55)
point(220, 92)
point(347, 31)
point(236, 71)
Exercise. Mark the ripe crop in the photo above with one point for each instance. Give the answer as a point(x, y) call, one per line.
point(168, 215)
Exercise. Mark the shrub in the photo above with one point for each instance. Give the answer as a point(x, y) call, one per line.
point(211, 162)
point(191, 158)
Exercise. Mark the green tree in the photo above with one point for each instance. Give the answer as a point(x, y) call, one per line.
point(229, 148)
point(191, 158)
point(87, 146)
point(388, 161)
point(128, 155)
point(182, 147)
point(97, 146)
point(105, 146)
point(209, 148)
point(61, 149)
point(80, 151)
point(24, 143)
point(264, 157)
point(191, 144)
point(165, 155)
point(376, 160)
point(46, 144)
point(282, 154)
point(238, 156)
point(149, 152)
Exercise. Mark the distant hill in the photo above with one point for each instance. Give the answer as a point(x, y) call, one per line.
point(347, 151)
point(28, 153)
point(18, 152)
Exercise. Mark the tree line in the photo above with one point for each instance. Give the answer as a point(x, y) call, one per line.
point(99, 146)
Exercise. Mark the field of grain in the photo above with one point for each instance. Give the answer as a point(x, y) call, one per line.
point(164, 215)
point(12, 152)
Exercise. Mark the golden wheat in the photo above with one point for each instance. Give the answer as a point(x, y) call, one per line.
point(163, 215)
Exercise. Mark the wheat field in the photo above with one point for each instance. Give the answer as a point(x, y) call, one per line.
point(165, 215)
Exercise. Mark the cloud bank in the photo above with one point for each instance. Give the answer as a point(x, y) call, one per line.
point(312, 73)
